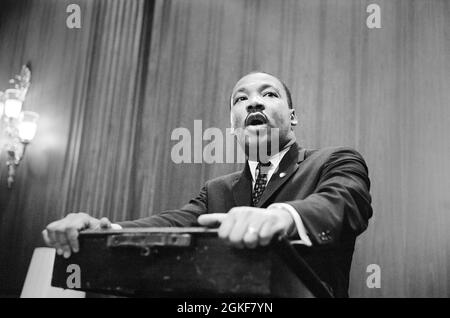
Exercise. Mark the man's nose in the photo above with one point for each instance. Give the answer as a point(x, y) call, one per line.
point(255, 105)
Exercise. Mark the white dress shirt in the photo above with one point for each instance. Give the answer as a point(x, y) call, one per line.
point(275, 162)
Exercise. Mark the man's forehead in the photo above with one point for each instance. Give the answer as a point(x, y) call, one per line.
point(257, 79)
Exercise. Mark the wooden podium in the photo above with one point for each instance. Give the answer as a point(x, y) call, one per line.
point(181, 262)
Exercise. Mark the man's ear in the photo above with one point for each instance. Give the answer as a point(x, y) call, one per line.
point(294, 120)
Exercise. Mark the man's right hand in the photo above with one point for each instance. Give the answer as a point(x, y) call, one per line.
point(63, 234)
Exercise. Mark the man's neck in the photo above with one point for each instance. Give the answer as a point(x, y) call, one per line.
point(269, 156)
point(288, 144)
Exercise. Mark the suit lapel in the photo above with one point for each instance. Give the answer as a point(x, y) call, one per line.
point(242, 188)
point(288, 166)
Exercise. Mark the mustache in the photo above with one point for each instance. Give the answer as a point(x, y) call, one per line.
point(257, 118)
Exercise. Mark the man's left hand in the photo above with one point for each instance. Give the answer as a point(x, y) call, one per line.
point(248, 226)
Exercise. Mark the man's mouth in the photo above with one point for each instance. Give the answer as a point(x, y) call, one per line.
point(255, 119)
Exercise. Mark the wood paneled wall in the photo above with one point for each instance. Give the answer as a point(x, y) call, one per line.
point(111, 93)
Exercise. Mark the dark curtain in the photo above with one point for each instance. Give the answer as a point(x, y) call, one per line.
point(87, 87)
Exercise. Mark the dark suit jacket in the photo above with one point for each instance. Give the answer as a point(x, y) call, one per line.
point(329, 188)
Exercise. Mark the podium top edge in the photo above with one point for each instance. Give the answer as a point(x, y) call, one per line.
point(152, 230)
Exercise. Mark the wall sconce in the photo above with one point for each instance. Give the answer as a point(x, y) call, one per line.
point(19, 126)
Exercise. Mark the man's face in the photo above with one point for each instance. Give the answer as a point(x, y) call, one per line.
point(259, 106)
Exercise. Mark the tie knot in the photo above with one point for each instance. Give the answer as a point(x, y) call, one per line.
point(263, 168)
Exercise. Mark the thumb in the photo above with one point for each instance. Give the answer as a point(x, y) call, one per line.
point(211, 219)
point(105, 223)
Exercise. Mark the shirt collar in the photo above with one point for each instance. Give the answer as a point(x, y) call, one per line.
point(274, 160)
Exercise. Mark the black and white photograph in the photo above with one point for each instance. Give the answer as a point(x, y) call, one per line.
point(240, 151)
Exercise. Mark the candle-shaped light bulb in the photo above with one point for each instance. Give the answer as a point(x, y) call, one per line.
point(27, 126)
point(13, 103)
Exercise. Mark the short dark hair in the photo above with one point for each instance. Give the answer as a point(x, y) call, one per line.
point(288, 92)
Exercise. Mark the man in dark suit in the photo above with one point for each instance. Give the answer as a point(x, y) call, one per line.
point(320, 198)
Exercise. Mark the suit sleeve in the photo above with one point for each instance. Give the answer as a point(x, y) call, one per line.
point(184, 217)
point(340, 201)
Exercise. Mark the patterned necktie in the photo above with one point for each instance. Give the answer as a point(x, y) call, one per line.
point(261, 180)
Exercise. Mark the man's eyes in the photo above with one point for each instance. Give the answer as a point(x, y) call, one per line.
point(270, 94)
point(239, 99)
point(266, 94)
